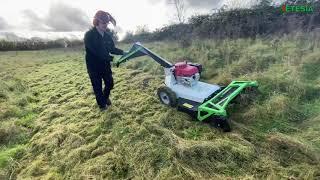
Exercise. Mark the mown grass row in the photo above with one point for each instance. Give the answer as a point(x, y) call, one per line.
point(19, 102)
point(68, 137)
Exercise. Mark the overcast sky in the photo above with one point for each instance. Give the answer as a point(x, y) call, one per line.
point(48, 18)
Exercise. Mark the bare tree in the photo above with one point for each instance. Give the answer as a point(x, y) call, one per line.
point(180, 8)
point(141, 29)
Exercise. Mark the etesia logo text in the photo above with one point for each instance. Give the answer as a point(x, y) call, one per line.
point(296, 9)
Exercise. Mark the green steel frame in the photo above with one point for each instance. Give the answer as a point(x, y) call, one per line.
point(217, 105)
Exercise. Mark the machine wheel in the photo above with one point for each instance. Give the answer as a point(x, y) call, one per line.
point(226, 127)
point(223, 123)
point(167, 96)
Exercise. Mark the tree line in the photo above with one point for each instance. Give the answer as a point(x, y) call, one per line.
point(262, 19)
point(38, 44)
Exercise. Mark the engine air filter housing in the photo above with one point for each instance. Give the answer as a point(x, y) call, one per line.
point(184, 69)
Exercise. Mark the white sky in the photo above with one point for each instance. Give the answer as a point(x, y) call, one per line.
point(129, 14)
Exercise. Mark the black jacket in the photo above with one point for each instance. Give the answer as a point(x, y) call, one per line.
point(98, 50)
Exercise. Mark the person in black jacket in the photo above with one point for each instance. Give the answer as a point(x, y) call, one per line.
point(98, 45)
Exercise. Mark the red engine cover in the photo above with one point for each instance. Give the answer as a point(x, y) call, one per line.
point(184, 69)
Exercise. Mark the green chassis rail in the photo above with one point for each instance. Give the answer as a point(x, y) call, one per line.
point(217, 105)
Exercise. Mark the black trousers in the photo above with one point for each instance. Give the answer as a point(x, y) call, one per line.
point(96, 78)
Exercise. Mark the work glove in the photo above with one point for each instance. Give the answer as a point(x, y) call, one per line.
point(125, 53)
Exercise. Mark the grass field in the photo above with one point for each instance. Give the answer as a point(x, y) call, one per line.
point(51, 128)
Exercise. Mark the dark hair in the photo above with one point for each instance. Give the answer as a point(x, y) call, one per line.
point(95, 22)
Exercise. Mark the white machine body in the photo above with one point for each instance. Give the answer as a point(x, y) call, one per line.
point(189, 87)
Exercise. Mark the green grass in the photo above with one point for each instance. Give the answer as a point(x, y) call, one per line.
point(8, 154)
point(48, 113)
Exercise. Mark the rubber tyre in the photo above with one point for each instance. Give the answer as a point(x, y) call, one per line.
point(226, 127)
point(223, 123)
point(167, 96)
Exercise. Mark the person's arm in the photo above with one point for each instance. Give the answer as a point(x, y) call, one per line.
point(92, 45)
point(113, 49)
point(117, 51)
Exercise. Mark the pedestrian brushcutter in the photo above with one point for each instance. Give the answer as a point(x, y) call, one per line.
point(183, 89)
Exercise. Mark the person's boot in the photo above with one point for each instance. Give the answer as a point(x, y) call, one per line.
point(108, 102)
point(103, 108)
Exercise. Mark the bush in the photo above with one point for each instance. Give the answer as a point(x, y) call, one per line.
point(262, 19)
point(37, 45)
